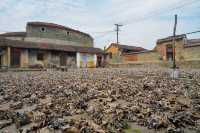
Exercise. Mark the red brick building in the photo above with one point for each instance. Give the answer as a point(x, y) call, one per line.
point(120, 52)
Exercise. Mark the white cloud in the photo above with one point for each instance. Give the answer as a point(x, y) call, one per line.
point(78, 14)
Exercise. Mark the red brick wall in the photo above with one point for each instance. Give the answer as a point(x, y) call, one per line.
point(161, 48)
point(129, 58)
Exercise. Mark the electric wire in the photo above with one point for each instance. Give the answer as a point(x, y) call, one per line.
point(160, 11)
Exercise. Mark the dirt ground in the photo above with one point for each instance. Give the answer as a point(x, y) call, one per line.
point(121, 100)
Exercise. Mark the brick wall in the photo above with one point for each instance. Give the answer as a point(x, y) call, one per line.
point(130, 58)
point(161, 49)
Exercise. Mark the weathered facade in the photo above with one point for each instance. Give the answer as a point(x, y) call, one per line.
point(48, 45)
point(120, 53)
point(186, 50)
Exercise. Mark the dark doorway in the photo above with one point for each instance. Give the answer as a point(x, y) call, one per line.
point(169, 52)
point(0, 61)
point(15, 57)
point(1, 53)
point(99, 61)
point(63, 59)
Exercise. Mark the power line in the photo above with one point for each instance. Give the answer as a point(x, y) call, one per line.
point(194, 32)
point(174, 41)
point(106, 33)
point(102, 32)
point(157, 12)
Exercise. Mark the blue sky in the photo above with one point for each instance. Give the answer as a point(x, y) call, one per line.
point(144, 21)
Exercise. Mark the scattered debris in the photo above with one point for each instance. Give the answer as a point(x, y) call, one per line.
point(100, 100)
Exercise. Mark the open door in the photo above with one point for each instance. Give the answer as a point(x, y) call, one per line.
point(15, 57)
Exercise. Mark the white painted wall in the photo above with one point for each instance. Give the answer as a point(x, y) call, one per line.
point(78, 60)
point(95, 60)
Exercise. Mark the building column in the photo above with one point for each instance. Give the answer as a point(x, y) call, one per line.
point(95, 60)
point(8, 53)
point(4, 58)
point(78, 60)
point(24, 58)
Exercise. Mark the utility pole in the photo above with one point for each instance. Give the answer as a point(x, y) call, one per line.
point(174, 43)
point(117, 30)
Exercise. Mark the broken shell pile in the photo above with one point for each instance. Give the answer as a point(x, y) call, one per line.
point(99, 101)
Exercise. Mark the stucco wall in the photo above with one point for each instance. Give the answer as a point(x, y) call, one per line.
point(71, 61)
point(113, 50)
point(149, 57)
point(32, 57)
point(50, 34)
point(179, 50)
point(24, 58)
point(116, 56)
point(51, 58)
point(191, 53)
point(53, 41)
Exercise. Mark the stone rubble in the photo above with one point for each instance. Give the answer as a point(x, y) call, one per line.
point(100, 101)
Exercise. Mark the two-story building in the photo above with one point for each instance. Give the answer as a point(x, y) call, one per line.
point(48, 45)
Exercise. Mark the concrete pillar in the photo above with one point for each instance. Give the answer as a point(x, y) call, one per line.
point(47, 59)
point(78, 60)
point(24, 58)
point(8, 53)
point(95, 60)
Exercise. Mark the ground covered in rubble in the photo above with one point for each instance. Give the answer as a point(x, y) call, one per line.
point(132, 100)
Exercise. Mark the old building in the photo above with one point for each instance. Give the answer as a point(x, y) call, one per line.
point(186, 50)
point(48, 45)
point(120, 53)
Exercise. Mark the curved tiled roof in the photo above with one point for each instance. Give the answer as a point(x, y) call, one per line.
point(170, 38)
point(48, 46)
point(139, 52)
point(52, 25)
point(192, 43)
point(127, 47)
point(14, 34)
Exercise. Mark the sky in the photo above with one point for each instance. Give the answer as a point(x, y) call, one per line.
point(144, 21)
